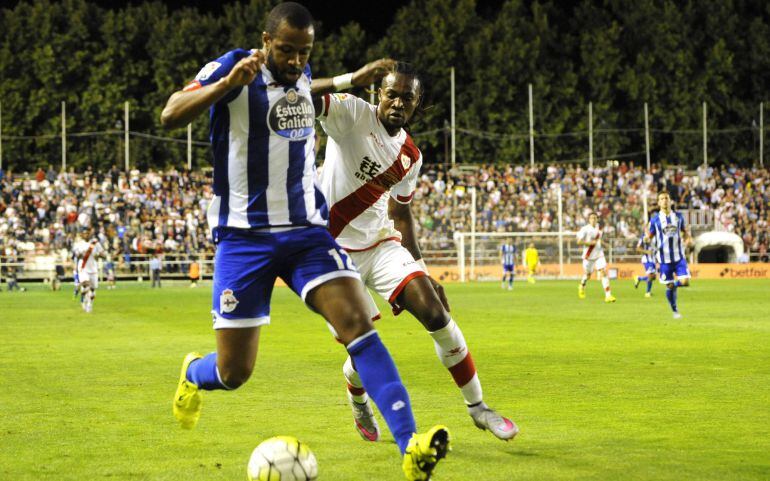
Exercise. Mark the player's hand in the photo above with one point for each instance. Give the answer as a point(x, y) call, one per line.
point(440, 292)
point(372, 72)
point(245, 71)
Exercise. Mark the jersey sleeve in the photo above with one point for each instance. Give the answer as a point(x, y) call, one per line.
point(404, 190)
point(651, 226)
point(218, 69)
point(341, 112)
point(682, 223)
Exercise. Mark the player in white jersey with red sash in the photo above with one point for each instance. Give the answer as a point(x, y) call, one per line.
point(87, 270)
point(369, 177)
point(590, 237)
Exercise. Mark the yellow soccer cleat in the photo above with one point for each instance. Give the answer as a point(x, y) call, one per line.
point(187, 399)
point(648, 294)
point(609, 299)
point(424, 452)
point(581, 292)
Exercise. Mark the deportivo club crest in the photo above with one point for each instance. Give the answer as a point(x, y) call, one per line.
point(227, 301)
point(292, 116)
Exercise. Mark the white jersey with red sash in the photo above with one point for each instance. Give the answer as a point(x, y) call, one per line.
point(364, 166)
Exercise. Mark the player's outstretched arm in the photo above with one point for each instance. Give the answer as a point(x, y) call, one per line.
point(363, 77)
point(184, 105)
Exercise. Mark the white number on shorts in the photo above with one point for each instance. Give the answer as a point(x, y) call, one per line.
point(341, 260)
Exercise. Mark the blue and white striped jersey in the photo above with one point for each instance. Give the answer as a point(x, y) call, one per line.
point(648, 246)
point(263, 137)
point(508, 254)
point(667, 230)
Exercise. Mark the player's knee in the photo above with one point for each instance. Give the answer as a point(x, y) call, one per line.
point(433, 317)
point(353, 324)
point(236, 376)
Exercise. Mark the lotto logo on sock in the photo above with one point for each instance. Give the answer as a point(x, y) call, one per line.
point(398, 405)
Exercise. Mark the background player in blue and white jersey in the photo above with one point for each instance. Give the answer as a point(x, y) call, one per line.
point(647, 249)
point(508, 258)
point(268, 220)
point(668, 229)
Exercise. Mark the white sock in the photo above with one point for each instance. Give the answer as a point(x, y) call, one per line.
point(606, 285)
point(583, 280)
point(355, 387)
point(453, 353)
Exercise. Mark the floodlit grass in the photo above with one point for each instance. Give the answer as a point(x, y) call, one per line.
point(600, 391)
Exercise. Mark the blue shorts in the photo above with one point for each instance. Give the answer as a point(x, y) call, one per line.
point(671, 271)
point(247, 264)
point(649, 267)
point(507, 267)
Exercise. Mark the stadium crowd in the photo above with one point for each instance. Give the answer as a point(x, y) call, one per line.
point(140, 214)
point(524, 199)
point(134, 216)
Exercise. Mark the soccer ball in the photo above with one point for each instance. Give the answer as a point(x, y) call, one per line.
point(282, 458)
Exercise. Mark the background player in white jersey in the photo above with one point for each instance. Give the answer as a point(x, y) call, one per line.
point(369, 177)
point(87, 251)
point(590, 237)
point(646, 248)
point(508, 259)
point(268, 221)
point(671, 235)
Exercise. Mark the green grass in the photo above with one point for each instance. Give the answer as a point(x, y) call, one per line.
point(600, 391)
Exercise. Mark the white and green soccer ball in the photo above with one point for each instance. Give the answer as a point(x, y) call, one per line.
point(282, 458)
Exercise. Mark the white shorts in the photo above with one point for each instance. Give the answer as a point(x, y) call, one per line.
point(91, 277)
point(590, 265)
point(386, 269)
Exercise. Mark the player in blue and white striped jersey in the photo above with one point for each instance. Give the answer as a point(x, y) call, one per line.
point(268, 221)
point(647, 249)
point(668, 229)
point(508, 257)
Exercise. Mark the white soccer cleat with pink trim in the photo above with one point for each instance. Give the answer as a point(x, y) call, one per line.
point(364, 420)
point(486, 418)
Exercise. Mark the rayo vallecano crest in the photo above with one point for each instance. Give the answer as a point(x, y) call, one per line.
point(227, 301)
point(405, 161)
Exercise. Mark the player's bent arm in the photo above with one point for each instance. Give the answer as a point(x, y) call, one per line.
point(363, 77)
point(183, 106)
point(404, 223)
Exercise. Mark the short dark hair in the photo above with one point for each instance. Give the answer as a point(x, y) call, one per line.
point(296, 15)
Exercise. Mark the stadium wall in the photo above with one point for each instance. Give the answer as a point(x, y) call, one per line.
point(617, 271)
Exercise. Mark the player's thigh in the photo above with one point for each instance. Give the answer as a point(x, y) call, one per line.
point(244, 275)
point(393, 270)
point(345, 304)
point(682, 270)
point(310, 257)
point(601, 264)
point(667, 273)
point(649, 268)
point(588, 266)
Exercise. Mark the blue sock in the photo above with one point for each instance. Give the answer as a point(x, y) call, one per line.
point(203, 373)
point(642, 278)
point(381, 380)
point(510, 281)
point(671, 296)
point(649, 285)
point(675, 296)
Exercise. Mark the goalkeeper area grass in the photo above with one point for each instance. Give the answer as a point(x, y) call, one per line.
point(601, 392)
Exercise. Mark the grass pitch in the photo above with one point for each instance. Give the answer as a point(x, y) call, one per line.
point(600, 391)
